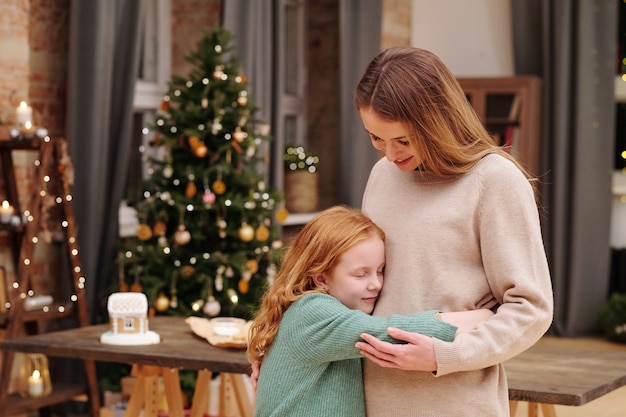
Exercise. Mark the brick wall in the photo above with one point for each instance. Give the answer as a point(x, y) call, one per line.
point(34, 45)
point(189, 19)
point(396, 25)
point(14, 65)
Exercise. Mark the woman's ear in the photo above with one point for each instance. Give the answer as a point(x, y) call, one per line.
point(320, 281)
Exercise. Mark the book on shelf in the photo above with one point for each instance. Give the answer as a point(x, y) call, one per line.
point(516, 106)
point(511, 139)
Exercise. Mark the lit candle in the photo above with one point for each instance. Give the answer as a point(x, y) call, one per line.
point(35, 384)
point(6, 212)
point(24, 114)
point(28, 129)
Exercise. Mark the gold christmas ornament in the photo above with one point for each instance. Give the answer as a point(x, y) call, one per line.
point(194, 142)
point(191, 189)
point(136, 286)
point(252, 265)
point(187, 271)
point(246, 232)
point(144, 232)
point(262, 233)
point(182, 236)
point(162, 303)
point(243, 286)
point(201, 151)
point(282, 214)
point(159, 228)
point(219, 187)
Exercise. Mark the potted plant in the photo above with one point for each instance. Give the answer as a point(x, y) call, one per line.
point(300, 179)
point(612, 317)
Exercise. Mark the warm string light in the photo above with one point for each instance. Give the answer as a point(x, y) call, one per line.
point(79, 279)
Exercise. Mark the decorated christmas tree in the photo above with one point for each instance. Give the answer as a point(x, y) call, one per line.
point(207, 240)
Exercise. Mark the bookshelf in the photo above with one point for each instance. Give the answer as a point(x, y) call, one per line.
point(510, 109)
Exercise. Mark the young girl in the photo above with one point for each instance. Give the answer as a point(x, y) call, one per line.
point(312, 316)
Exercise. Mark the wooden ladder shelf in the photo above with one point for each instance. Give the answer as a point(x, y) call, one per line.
point(51, 198)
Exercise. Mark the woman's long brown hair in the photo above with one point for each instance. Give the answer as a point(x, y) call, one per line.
point(412, 86)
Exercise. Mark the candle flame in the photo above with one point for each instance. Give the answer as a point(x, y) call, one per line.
point(36, 374)
point(23, 105)
point(5, 204)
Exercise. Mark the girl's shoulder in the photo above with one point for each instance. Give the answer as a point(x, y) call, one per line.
point(315, 300)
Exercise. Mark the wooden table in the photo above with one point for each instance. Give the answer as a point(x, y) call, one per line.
point(561, 371)
point(179, 349)
point(565, 371)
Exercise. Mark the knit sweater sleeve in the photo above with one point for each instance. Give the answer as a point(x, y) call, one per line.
point(516, 270)
point(320, 328)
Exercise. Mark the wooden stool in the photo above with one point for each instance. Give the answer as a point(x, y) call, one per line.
point(533, 409)
point(233, 396)
point(145, 391)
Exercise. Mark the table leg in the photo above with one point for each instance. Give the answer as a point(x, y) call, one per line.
point(548, 410)
point(171, 383)
point(150, 393)
point(200, 402)
point(246, 405)
point(145, 392)
point(234, 398)
point(135, 402)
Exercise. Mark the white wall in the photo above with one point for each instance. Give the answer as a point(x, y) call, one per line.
point(472, 37)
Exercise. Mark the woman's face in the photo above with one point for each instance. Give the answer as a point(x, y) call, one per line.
point(392, 139)
point(357, 279)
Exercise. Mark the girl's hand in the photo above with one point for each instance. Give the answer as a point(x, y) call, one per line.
point(417, 355)
point(256, 371)
point(466, 320)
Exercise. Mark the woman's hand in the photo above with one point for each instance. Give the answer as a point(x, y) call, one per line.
point(256, 371)
point(417, 355)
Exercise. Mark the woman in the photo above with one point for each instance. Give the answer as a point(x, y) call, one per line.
point(463, 233)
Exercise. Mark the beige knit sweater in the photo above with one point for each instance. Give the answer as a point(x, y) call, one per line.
point(458, 245)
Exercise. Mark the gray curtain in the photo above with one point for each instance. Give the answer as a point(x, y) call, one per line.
point(360, 32)
point(360, 40)
point(571, 44)
point(104, 51)
point(251, 22)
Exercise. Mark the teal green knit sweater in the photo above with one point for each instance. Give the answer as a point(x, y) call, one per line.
point(313, 369)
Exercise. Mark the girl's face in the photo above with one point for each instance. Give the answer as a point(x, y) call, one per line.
point(392, 139)
point(357, 279)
